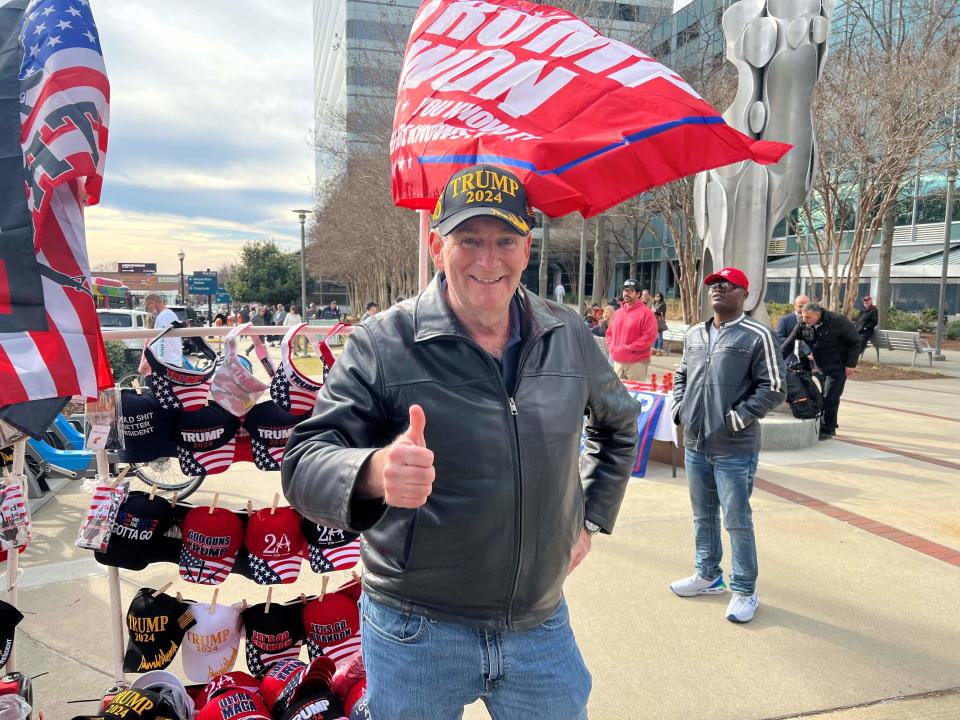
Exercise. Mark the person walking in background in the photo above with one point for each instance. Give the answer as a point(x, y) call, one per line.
point(631, 335)
point(601, 329)
point(836, 348)
point(645, 298)
point(866, 322)
point(293, 318)
point(496, 512)
point(167, 349)
point(559, 292)
point(786, 326)
point(372, 309)
point(659, 309)
point(279, 316)
point(729, 377)
point(331, 312)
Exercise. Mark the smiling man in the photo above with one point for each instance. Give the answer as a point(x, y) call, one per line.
point(731, 375)
point(448, 433)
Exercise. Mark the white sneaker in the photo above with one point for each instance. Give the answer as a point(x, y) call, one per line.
point(697, 585)
point(742, 607)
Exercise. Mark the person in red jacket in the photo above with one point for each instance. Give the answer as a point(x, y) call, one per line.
point(632, 332)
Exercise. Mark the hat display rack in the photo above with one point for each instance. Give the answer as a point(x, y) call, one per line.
point(12, 572)
point(117, 610)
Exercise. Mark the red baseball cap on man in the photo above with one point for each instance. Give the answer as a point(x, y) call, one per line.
point(730, 274)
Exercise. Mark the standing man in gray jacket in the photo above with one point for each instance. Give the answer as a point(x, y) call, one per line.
point(731, 375)
point(448, 433)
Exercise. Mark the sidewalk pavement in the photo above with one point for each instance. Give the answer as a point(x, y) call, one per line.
point(859, 599)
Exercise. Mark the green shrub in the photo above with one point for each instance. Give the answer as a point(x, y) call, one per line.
point(777, 311)
point(952, 331)
point(900, 320)
point(116, 355)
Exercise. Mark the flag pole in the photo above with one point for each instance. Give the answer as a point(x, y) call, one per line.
point(13, 554)
point(423, 262)
point(113, 582)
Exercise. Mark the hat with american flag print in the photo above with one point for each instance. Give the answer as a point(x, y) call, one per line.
point(275, 545)
point(211, 540)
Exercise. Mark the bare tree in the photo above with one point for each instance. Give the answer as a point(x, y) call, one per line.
point(880, 105)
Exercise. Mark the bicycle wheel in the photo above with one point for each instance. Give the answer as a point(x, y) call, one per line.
point(165, 475)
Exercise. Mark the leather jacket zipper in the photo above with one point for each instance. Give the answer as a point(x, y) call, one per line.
point(518, 480)
point(701, 444)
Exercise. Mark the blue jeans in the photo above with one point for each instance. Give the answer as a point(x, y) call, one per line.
point(422, 668)
point(658, 343)
point(723, 481)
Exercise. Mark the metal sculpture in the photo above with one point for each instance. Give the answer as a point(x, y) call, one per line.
point(779, 48)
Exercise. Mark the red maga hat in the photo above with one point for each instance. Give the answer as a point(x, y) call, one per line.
point(730, 274)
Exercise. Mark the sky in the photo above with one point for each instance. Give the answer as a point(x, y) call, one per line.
point(211, 115)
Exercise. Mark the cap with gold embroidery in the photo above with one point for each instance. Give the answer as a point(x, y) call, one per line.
point(482, 190)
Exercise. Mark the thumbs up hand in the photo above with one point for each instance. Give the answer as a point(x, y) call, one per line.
point(407, 465)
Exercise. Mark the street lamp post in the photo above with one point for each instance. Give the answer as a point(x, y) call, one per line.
point(303, 261)
point(183, 294)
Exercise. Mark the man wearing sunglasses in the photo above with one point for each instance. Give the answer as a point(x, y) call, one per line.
point(731, 375)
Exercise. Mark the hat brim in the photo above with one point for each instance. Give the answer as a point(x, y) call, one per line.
point(717, 276)
point(448, 225)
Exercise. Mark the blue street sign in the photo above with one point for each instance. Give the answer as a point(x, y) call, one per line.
point(202, 284)
point(222, 297)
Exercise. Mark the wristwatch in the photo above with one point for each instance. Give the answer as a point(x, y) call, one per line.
point(591, 527)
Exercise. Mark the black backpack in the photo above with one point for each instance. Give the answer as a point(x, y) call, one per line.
point(803, 394)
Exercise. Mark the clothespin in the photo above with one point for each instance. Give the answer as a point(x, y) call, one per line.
point(162, 589)
point(136, 385)
point(276, 499)
point(121, 476)
point(249, 507)
point(243, 605)
point(354, 576)
point(173, 500)
point(6, 476)
point(213, 505)
point(179, 597)
point(153, 491)
point(303, 598)
point(213, 601)
point(266, 607)
point(323, 586)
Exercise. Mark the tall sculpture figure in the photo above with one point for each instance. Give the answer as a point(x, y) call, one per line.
point(779, 48)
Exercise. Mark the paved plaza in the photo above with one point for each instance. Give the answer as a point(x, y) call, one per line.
point(859, 546)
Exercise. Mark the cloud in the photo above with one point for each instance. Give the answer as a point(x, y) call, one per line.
point(211, 110)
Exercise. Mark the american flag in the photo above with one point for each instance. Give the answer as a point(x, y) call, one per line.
point(15, 528)
point(94, 533)
point(288, 393)
point(204, 570)
point(274, 572)
point(259, 661)
point(50, 342)
point(207, 462)
point(187, 395)
point(266, 457)
point(344, 557)
point(340, 652)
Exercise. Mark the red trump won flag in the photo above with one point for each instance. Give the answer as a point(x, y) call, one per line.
point(585, 121)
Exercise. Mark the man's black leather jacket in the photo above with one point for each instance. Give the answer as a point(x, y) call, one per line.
point(491, 546)
point(718, 396)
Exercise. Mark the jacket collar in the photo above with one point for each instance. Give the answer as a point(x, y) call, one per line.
point(432, 316)
point(729, 323)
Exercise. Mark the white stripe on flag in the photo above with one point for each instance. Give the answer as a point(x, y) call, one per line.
point(28, 365)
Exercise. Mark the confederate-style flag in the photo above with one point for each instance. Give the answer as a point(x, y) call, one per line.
point(585, 121)
point(52, 146)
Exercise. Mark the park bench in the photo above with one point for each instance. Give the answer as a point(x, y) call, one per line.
point(674, 334)
point(901, 340)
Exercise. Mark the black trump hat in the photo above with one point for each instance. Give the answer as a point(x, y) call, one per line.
point(482, 190)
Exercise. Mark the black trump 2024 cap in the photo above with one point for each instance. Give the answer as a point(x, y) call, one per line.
point(482, 190)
